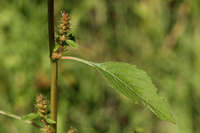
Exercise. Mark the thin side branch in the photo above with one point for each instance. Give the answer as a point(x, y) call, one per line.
point(18, 118)
point(77, 59)
point(10, 115)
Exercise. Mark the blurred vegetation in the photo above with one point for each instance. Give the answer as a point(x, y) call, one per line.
point(159, 36)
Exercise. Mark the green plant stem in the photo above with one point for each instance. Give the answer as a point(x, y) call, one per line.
point(10, 115)
point(54, 64)
point(51, 25)
point(54, 78)
point(18, 118)
point(76, 59)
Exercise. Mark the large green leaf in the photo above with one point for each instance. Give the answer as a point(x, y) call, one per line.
point(133, 82)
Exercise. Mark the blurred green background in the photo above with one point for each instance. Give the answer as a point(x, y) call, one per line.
point(159, 36)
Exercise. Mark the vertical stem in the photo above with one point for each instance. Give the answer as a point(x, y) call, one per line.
point(54, 78)
point(54, 64)
point(51, 25)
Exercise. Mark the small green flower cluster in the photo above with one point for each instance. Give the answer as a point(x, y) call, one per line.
point(64, 36)
point(63, 29)
point(41, 106)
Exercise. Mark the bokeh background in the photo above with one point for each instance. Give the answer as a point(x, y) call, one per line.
point(159, 36)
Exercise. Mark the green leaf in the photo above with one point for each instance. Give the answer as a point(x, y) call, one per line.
point(50, 121)
point(30, 116)
point(56, 48)
point(72, 43)
point(133, 83)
